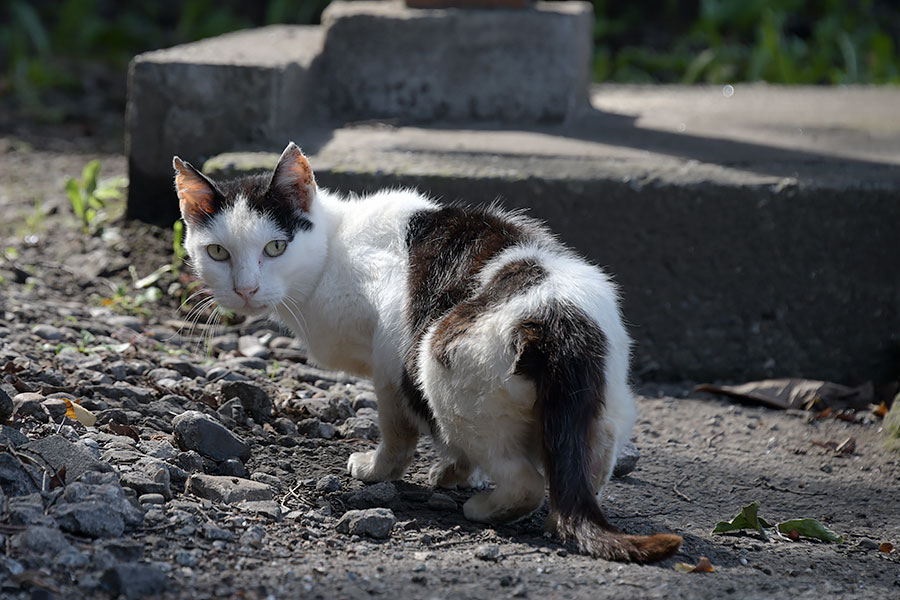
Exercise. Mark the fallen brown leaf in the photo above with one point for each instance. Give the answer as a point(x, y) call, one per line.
point(796, 393)
point(848, 446)
point(703, 566)
point(126, 430)
point(886, 547)
point(880, 410)
point(793, 535)
point(59, 479)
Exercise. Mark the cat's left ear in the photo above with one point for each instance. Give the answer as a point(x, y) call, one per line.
point(196, 193)
point(294, 179)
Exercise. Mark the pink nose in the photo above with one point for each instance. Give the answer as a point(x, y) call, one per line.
point(246, 293)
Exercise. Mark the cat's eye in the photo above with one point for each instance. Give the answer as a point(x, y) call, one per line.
point(275, 248)
point(217, 252)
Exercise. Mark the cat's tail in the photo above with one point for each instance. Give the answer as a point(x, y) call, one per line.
point(570, 393)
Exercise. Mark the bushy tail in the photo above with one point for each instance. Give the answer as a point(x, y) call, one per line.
point(570, 394)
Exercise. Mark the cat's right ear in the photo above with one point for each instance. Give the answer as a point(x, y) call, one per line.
point(196, 194)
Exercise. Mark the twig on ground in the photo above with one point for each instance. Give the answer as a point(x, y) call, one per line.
point(712, 438)
point(679, 493)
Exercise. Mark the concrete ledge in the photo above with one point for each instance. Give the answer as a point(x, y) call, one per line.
point(182, 101)
point(752, 235)
point(383, 60)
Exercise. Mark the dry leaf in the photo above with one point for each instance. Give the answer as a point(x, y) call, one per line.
point(886, 547)
point(796, 393)
point(126, 430)
point(703, 566)
point(880, 410)
point(848, 446)
point(80, 414)
point(59, 479)
point(793, 535)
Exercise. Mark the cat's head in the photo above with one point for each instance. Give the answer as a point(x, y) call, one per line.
point(256, 241)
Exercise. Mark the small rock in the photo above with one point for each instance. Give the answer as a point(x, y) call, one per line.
point(149, 476)
point(376, 495)
point(490, 552)
point(224, 343)
point(126, 321)
point(315, 428)
point(253, 537)
point(254, 398)
point(212, 532)
point(17, 479)
point(58, 452)
point(266, 508)
point(246, 362)
point(190, 461)
point(47, 332)
point(331, 409)
point(91, 518)
point(359, 427)
point(626, 460)
point(364, 400)
point(249, 345)
point(10, 436)
point(161, 373)
point(285, 426)
point(47, 541)
point(868, 544)
point(328, 483)
point(186, 558)
point(266, 478)
point(29, 404)
point(233, 412)
point(232, 467)
point(439, 501)
point(229, 490)
point(373, 522)
point(134, 580)
point(28, 510)
point(195, 430)
point(6, 406)
point(826, 468)
point(151, 499)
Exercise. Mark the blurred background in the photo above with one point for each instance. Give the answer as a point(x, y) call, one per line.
point(65, 61)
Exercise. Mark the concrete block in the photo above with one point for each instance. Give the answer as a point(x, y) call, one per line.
point(198, 99)
point(382, 59)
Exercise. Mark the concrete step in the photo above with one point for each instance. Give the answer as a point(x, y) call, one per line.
point(754, 230)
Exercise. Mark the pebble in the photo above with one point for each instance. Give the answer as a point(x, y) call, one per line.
point(6, 406)
point(194, 430)
point(134, 580)
point(253, 398)
point(91, 518)
point(375, 495)
point(328, 483)
point(151, 499)
point(228, 490)
point(439, 501)
point(489, 552)
point(250, 346)
point(253, 537)
point(359, 428)
point(626, 460)
point(372, 522)
point(232, 467)
point(224, 343)
point(47, 332)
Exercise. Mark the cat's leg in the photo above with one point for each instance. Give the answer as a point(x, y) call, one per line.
point(603, 453)
point(612, 429)
point(399, 434)
point(453, 468)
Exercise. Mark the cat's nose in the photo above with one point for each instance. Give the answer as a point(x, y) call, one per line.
point(245, 292)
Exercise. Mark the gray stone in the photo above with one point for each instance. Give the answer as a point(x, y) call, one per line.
point(328, 483)
point(186, 368)
point(285, 426)
point(10, 436)
point(228, 490)
point(111, 496)
point(253, 398)
point(91, 518)
point(253, 537)
point(364, 400)
point(315, 428)
point(224, 343)
point(383, 60)
point(361, 428)
point(126, 321)
point(264, 508)
point(58, 452)
point(134, 580)
point(56, 407)
point(123, 550)
point(48, 332)
point(28, 404)
point(373, 522)
point(331, 409)
point(212, 532)
point(439, 501)
point(489, 552)
point(149, 476)
point(196, 431)
point(151, 499)
point(270, 480)
point(233, 412)
point(186, 558)
point(190, 461)
point(375, 495)
point(232, 467)
point(249, 345)
point(47, 541)
point(626, 460)
point(6, 406)
point(161, 373)
point(28, 510)
point(246, 362)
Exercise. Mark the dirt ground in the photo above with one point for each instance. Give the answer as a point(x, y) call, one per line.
point(703, 458)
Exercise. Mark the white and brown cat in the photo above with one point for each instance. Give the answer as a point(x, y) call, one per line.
point(475, 325)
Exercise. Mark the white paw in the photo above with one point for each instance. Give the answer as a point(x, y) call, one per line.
point(478, 508)
point(361, 465)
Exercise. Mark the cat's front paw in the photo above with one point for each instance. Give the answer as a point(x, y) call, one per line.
point(449, 475)
point(361, 465)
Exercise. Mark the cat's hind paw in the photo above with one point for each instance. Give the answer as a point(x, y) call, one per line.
point(361, 465)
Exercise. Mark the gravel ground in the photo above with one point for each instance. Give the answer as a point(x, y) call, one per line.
point(216, 464)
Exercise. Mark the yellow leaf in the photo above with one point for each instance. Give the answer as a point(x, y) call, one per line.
point(80, 414)
point(702, 566)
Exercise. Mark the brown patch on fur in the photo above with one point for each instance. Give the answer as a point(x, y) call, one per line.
point(196, 194)
point(447, 248)
point(294, 177)
point(515, 277)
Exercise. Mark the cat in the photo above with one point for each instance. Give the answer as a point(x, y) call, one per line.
point(474, 324)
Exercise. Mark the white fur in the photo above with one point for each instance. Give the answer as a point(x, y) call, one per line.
point(342, 287)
